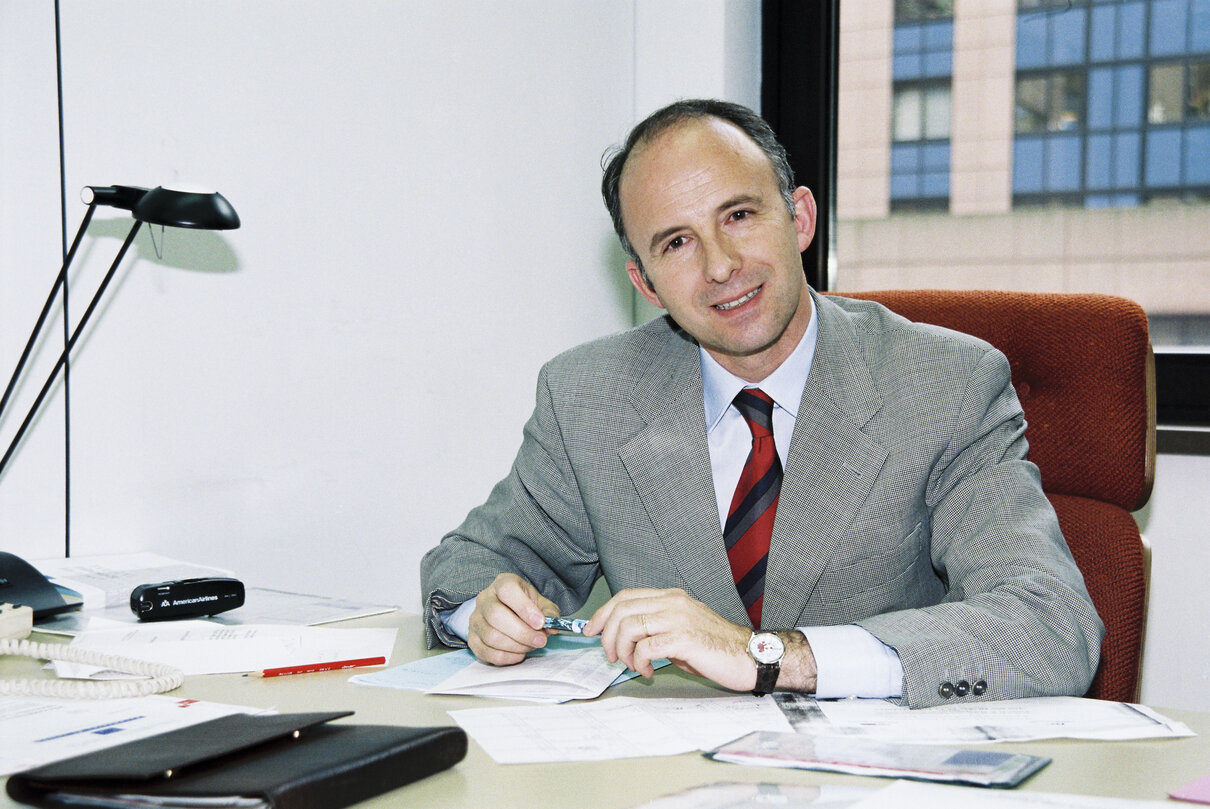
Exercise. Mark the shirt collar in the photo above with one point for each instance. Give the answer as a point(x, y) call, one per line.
point(784, 385)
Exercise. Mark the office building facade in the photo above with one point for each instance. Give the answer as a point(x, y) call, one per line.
point(1054, 145)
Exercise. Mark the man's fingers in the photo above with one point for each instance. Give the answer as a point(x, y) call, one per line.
point(524, 600)
point(607, 620)
point(491, 645)
point(507, 621)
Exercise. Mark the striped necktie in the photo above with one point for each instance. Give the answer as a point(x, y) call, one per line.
point(750, 518)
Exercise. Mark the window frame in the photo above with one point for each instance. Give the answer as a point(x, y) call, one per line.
point(799, 99)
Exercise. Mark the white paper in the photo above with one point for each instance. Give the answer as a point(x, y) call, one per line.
point(579, 674)
point(725, 795)
point(619, 727)
point(202, 647)
point(917, 795)
point(38, 730)
point(1007, 720)
point(429, 672)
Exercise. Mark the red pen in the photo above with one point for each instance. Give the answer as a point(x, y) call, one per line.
point(333, 665)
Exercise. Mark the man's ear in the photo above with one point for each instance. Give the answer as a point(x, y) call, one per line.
point(640, 283)
point(804, 216)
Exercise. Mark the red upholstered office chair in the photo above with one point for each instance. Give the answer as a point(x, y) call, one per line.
point(1083, 369)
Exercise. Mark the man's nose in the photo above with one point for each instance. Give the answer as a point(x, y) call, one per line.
point(721, 257)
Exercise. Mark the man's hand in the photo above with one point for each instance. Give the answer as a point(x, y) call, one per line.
point(507, 621)
point(638, 626)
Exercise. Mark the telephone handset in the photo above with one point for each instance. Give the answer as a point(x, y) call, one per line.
point(26, 595)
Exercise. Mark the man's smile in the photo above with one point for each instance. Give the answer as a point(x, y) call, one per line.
point(726, 307)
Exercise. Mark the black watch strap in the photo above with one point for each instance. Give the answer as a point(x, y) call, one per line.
point(766, 678)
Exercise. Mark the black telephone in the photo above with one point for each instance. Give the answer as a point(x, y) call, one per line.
point(22, 585)
point(24, 590)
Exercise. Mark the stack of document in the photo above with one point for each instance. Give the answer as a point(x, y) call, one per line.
point(983, 768)
point(1014, 720)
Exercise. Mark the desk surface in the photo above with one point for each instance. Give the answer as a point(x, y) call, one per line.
point(1139, 769)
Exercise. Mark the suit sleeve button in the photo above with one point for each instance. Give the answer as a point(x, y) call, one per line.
point(979, 687)
point(946, 690)
point(962, 688)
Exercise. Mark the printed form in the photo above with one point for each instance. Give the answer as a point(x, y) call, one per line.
point(618, 727)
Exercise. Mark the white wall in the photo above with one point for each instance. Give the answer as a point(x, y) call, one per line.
point(314, 399)
point(1176, 654)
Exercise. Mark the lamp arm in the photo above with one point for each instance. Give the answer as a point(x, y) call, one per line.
point(75, 335)
point(54, 291)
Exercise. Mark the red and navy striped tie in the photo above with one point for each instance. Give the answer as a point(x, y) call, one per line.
point(750, 518)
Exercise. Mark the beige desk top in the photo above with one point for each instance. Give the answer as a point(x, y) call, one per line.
point(1140, 769)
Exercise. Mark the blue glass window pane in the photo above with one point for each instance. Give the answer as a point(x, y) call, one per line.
point(936, 157)
point(939, 36)
point(1067, 37)
point(907, 38)
point(908, 66)
point(1199, 27)
point(1100, 98)
point(1127, 146)
point(1168, 26)
point(905, 159)
point(1128, 111)
point(1027, 165)
point(1104, 20)
point(1031, 40)
point(1098, 201)
point(935, 184)
point(904, 186)
point(1163, 158)
point(1063, 158)
point(1100, 154)
point(939, 63)
point(1197, 155)
point(1126, 200)
point(1130, 30)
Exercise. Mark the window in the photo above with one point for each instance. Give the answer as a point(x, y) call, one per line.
point(922, 113)
point(1051, 102)
point(1111, 102)
point(917, 10)
point(1076, 155)
point(922, 64)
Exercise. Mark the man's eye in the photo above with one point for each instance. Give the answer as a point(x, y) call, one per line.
point(739, 216)
point(676, 244)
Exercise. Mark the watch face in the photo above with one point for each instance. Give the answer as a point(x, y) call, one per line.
point(766, 647)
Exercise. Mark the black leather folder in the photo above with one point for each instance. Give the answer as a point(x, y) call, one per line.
point(286, 761)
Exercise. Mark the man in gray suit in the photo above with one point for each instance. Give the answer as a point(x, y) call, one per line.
point(911, 552)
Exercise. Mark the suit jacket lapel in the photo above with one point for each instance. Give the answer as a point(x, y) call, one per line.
point(669, 464)
point(830, 469)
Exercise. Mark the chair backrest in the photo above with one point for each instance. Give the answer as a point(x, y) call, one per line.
point(1083, 370)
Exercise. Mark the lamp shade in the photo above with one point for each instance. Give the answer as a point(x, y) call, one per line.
point(204, 210)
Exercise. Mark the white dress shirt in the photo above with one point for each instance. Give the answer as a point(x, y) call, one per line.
point(850, 661)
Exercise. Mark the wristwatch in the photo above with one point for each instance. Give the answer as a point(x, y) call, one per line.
point(766, 649)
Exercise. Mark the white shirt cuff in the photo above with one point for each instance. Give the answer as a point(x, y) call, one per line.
point(458, 620)
point(850, 662)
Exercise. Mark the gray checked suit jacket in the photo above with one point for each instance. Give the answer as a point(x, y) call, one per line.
point(907, 505)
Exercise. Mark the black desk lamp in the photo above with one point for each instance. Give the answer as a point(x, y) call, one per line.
point(159, 206)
